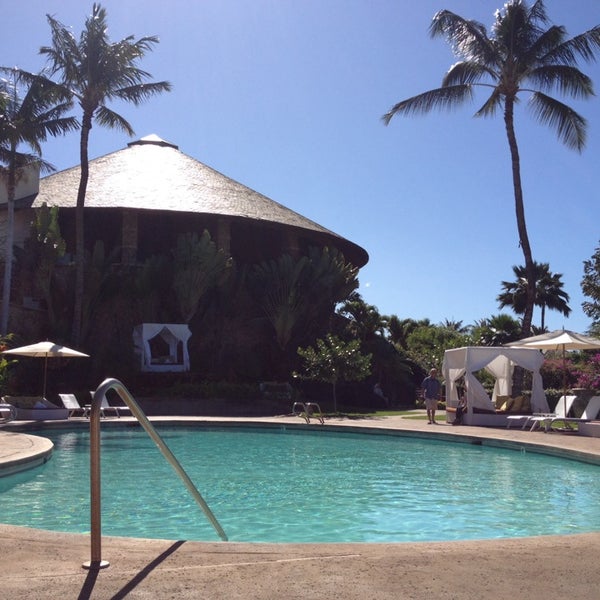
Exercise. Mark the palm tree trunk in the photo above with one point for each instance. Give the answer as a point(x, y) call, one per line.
point(334, 397)
point(79, 229)
point(543, 318)
point(520, 212)
point(8, 253)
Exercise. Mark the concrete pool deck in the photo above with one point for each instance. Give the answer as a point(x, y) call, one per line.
point(42, 564)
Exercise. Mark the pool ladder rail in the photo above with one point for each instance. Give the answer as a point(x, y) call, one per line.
point(306, 410)
point(96, 561)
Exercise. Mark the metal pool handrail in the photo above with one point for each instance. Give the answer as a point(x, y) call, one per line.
point(96, 561)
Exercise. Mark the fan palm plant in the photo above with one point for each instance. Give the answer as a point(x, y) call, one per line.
point(548, 292)
point(521, 56)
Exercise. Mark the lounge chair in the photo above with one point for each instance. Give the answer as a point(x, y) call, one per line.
point(71, 403)
point(562, 409)
point(589, 414)
point(106, 407)
point(7, 412)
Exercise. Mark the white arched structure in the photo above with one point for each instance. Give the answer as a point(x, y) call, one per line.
point(162, 347)
point(499, 362)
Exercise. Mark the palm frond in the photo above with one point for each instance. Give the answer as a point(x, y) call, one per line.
point(545, 44)
point(585, 45)
point(468, 38)
point(466, 72)
point(106, 117)
point(569, 125)
point(442, 98)
point(567, 80)
point(141, 92)
point(490, 105)
point(537, 12)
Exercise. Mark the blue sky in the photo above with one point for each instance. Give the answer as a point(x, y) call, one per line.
point(286, 96)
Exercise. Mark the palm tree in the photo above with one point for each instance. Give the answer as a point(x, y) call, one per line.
point(96, 71)
point(457, 326)
point(364, 320)
point(519, 57)
point(28, 115)
point(548, 292)
point(497, 330)
point(399, 330)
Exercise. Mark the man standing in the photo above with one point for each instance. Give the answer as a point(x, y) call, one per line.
point(431, 393)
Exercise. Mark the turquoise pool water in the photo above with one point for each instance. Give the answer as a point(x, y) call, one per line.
point(278, 485)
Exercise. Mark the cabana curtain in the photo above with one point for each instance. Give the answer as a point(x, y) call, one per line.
point(499, 362)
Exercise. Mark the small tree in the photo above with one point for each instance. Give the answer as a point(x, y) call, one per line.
point(590, 286)
point(334, 360)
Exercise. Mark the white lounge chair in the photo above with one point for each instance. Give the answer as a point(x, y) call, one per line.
point(71, 403)
point(106, 407)
point(562, 409)
point(589, 414)
point(7, 412)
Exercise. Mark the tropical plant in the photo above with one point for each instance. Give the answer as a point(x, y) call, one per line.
point(520, 56)
point(198, 264)
point(333, 360)
point(5, 363)
point(590, 286)
point(282, 297)
point(427, 343)
point(100, 282)
point(151, 282)
point(457, 326)
point(390, 366)
point(49, 248)
point(548, 292)
point(497, 330)
point(298, 294)
point(399, 329)
point(364, 320)
point(95, 71)
point(29, 113)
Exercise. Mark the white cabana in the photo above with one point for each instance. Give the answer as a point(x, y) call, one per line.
point(499, 362)
point(162, 347)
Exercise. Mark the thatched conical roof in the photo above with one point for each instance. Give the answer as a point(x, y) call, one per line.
point(152, 174)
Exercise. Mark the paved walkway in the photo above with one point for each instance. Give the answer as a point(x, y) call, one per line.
point(40, 564)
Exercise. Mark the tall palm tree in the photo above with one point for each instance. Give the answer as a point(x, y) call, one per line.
point(519, 57)
point(29, 113)
point(96, 71)
point(549, 292)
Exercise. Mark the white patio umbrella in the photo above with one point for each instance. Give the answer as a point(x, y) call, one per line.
point(46, 350)
point(560, 340)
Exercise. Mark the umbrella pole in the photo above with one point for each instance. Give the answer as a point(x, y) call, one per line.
point(45, 375)
point(564, 382)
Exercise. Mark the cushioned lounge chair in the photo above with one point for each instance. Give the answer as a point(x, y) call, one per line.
point(589, 414)
point(71, 403)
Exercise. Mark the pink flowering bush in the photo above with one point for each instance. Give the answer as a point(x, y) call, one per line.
point(587, 374)
point(553, 373)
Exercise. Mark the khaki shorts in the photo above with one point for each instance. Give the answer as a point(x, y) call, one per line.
point(431, 403)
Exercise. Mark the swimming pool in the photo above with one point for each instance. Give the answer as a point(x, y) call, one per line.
point(289, 485)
